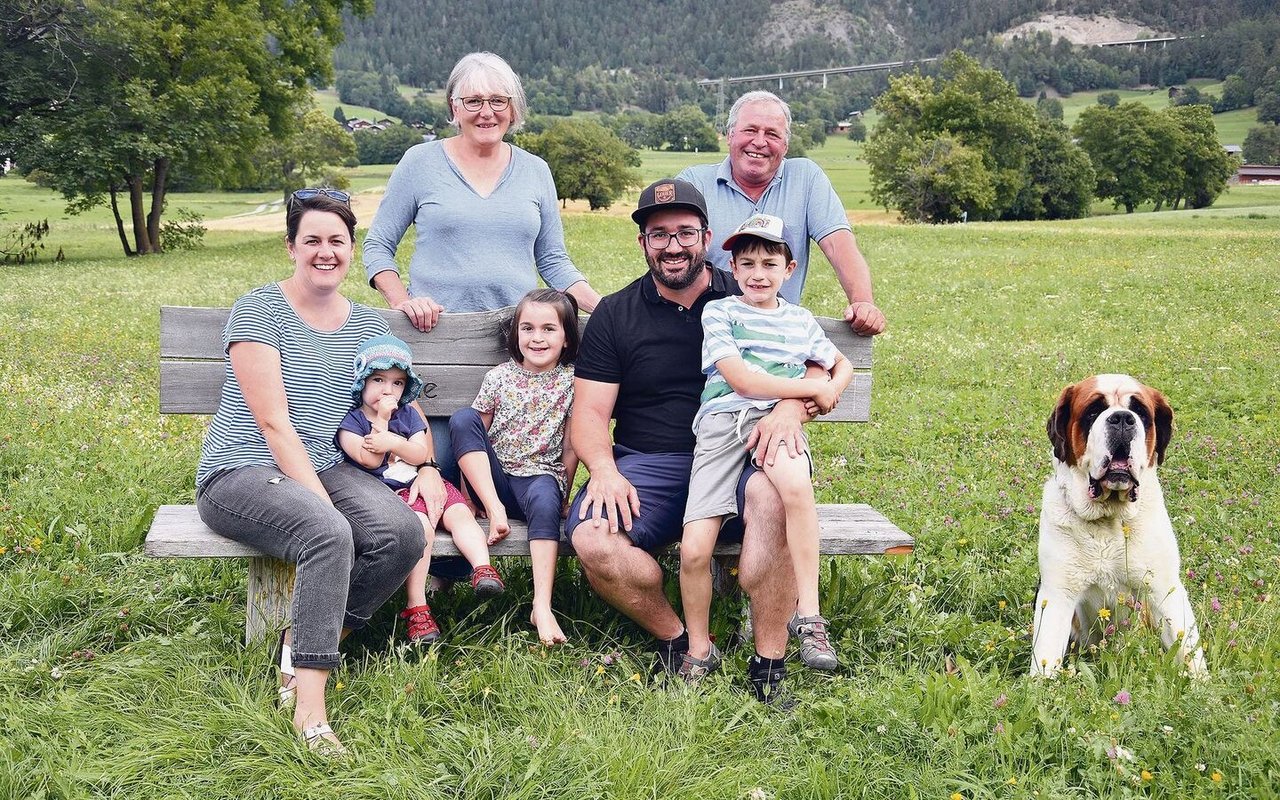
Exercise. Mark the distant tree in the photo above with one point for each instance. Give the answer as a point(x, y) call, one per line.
point(857, 129)
point(1235, 94)
point(637, 128)
point(1109, 99)
point(1268, 101)
point(312, 150)
point(1049, 108)
point(339, 116)
point(1136, 153)
point(687, 129)
point(1206, 166)
point(1061, 177)
point(385, 147)
point(588, 161)
point(963, 144)
point(1262, 145)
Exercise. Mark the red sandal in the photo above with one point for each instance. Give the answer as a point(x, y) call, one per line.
point(486, 581)
point(422, 626)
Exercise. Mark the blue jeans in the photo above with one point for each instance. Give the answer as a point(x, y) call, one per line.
point(536, 499)
point(350, 556)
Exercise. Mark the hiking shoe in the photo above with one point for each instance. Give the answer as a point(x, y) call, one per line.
point(693, 669)
point(815, 648)
point(768, 688)
point(670, 655)
point(486, 581)
point(422, 626)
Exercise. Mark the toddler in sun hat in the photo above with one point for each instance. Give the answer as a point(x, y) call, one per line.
point(386, 436)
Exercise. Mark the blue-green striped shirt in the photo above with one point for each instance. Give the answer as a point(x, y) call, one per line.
point(317, 371)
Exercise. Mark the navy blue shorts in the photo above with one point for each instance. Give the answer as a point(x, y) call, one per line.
point(662, 483)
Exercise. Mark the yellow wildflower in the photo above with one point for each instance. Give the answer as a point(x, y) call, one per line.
point(1126, 529)
point(599, 669)
point(36, 543)
point(1104, 613)
point(1013, 781)
point(1002, 604)
point(635, 677)
point(1216, 777)
point(957, 796)
point(1146, 775)
point(486, 691)
point(3, 550)
point(339, 686)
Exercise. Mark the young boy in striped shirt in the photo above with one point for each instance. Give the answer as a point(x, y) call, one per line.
point(754, 352)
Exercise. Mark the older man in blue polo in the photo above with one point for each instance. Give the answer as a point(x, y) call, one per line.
point(757, 178)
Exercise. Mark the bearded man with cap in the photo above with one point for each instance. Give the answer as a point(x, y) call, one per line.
point(640, 364)
point(758, 178)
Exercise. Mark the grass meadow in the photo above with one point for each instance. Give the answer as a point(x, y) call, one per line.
point(124, 677)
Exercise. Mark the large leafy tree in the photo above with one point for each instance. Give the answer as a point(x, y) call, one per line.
point(1136, 153)
point(587, 160)
point(188, 86)
point(1206, 165)
point(963, 145)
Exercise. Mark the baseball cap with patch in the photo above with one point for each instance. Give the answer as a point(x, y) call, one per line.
point(666, 193)
point(761, 226)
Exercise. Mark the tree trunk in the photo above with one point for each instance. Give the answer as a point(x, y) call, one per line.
point(141, 242)
point(115, 209)
point(158, 188)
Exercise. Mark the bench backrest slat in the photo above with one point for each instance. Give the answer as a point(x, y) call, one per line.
point(454, 356)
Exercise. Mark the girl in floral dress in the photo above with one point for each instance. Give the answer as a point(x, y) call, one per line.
point(511, 444)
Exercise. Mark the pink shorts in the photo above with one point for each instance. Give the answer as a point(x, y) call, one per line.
point(451, 497)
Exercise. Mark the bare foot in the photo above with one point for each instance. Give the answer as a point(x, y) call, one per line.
point(548, 627)
point(499, 527)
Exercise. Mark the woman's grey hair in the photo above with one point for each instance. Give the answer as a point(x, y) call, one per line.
point(759, 96)
point(487, 71)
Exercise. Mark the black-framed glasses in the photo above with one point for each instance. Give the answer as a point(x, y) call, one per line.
point(497, 103)
point(685, 237)
point(332, 194)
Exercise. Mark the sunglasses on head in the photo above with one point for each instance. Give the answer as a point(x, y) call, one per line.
point(332, 194)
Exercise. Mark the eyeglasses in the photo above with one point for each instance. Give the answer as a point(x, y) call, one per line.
point(685, 237)
point(332, 194)
point(497, 103)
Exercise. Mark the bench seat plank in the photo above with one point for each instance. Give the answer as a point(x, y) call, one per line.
point(854, 529)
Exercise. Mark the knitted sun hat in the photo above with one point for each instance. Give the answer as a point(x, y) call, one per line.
point(385, 352)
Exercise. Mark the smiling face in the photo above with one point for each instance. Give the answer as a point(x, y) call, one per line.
point(757, 143)
point(675, 266)
point(760, 274)
point(485, 127)
point(321, 251)
point(382, 383)
point(540, 336)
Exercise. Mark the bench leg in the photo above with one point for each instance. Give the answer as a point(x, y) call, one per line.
point(270, 593)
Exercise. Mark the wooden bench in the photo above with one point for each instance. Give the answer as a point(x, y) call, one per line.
point(452, 359)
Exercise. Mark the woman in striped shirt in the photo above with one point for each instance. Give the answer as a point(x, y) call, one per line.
point(270, 472)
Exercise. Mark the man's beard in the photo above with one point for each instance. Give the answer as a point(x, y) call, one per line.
point(680, 280)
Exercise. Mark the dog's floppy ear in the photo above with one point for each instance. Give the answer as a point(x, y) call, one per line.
point(1164, 424)
point(1059, 425)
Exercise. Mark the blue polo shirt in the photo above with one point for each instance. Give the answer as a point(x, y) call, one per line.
point(801, 194)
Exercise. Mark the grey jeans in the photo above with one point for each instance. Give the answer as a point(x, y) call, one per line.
point(350, 557)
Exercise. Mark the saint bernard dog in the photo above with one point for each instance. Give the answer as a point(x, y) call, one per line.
point(1106, 543)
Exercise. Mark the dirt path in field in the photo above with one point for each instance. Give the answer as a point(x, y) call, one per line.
point(365, 204)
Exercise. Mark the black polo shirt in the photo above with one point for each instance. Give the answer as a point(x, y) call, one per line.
point(652, 349)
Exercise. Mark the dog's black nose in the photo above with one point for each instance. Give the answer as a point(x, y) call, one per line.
point(1121, 420)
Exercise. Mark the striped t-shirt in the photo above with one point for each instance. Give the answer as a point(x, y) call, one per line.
point(777, 341)
point(317, 370)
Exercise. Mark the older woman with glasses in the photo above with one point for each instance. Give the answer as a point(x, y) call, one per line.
point(270, 474)
point(487, 220)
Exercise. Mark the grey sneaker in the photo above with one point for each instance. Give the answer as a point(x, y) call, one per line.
point(693, 669)
point(815, 649)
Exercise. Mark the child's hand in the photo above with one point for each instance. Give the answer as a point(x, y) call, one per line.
point(386, 406)
point(380, 442)
point(826, 397)
point(499, 527)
